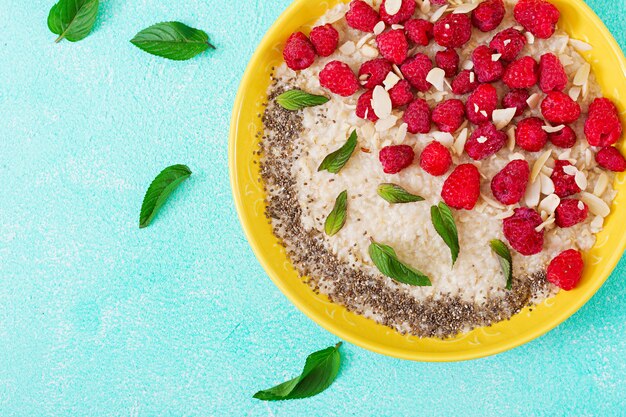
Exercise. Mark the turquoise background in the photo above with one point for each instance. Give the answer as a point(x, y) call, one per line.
point(99, 318)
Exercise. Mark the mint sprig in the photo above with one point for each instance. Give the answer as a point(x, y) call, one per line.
point(297, 99)
point(172, 40)
point(335, 161)
point(395, 194)
point(505, 259)
point(387, 262)
point(72, 19)
point(161, 188)
point(444, 224)
point(337, 217)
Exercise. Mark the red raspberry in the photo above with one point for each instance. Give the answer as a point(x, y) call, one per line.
point(325, 39)
point(564, 184)
point(564, 138)
point(509, 43)
point(566, 270)
point(406, 11)
point(603, 126)
point(610, 158)
point(436, 159)
point(299, 52)
point(516, 99)
point(552, 76)
point(439, 2)
point(488, 15)
point(417, 116)
point(416, 69)
point(481, 104)
point(364, 108)
point(570, 212)
point(401, 94)
point(393, 46)
point(419, 31)
point(449, 115)
point(376, 71)
point(395, 158)
point(509, 185)
point(448, 61)
point(339, 79)
point(559, 108)
point(521, 73)
point(519, 230)
point(485, 141)
point(485, 67)
point(539, 17)
point(453, 30)
point(462, 188)
point(530, 136)
point(462, 84)
point(362, 16)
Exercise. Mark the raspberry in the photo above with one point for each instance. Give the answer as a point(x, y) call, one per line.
point(416, 69)
point(516, 99)
point(299, 52)
point(362, 16)
point(395, 158)
point(449, 115)
point(448, 61)
point(485, 67)
point(559, 108)
point(564, 184)
point(488, 15)
point(417, 116)
point(462, 188)
point(566, 270)
point(530, 136)
point(439, 2)
point(603, 126)
point(436, 159)
point(537, 16)
point(464, 83)
point(364, 108)
point(610, 158)
point(376, 71)
point(406, 11)
point(519, 230)
point(393, 46)
point(521, 73)
point(481, 104)
point(552, 76)
point(485, 141)
point(564, 138)
point(325, 39)
point(419, 31)
point(339, 79)
point(401, 94)
point(453, 30)
point(570, 212)
point(509, 185)
point(509, 43)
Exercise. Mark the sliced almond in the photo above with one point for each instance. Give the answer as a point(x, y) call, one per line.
point(516, 156)
point(581, 206)
point(601, 184)
point(496, 57)
point(461, 140)
point(436, 77)
point(381, 102)
point(548, 222)
point(401, 133)
point(505, 215)
point(581, 180)
point(569, 169)
point(382, 125)
point(492, 202)
point(392, 7)
point(445, 138)
point(391, 81)
point(540, 163)
point(379, 28)
point(465, 8)
point(484, 113)
point(364, 40)
point(468, 65)
point(596, 205)
point(566, 60)
point(425, 6)
point(582, 75)
point(369, 51)
point(596, 224)
point(348, 48)
point(533, 193)
point(534, 100)
point(510, 134)
point(438, 13)
point(397, 27)
point(580, 45)
point(506, 42)
point(574, 93)
point(550, 203)
point(530, 38)
point(547, 171)
point(502, 117)
point(472, 77)
point(547, 185)
point(553, 129)
point(482, 139)
point(585, 90)
point(397, 71)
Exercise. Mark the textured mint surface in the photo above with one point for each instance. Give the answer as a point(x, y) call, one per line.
point(99, 318)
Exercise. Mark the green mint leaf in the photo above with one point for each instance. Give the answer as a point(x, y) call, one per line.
point(446, 228)
point(320, 370)
point(160, 189)
point(172, 40)
point(387, 262)
point(298, 99)
point(505, 259)
point(72, 19)
point(395, 194)
point(335, 161)
point(337, 217)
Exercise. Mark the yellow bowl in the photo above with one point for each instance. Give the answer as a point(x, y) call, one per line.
point(609, 65)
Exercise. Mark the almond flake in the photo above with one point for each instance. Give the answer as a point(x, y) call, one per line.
point(391, 81)
point(549, 222)
point(570, 169)
point(581, 206)
point(425, 6)
point(547, 185)
point(461, 140)
point(383, 125)
point(597, 224)
point(506, 42)
point(481, 139)
point(601, 185)
point(534, 100)
point(502, 117)
point(381, 102)
point(580, 45)
point(553, 129)
point(510, 134)
point(484, 113)
point(364, 40)
point(496, 57)
point(348, 48)
point(401, 133)
point(504, 215)
point(465, 8)
point(468, 65)
point(582, 75)
point(566, 60)
point(516, 156)
point(369, 51)
point(541, 161)
point(581, 180)
point(476, 108)
point(585, 89)
point(438, 13)
point(436, 76)
point(550, 203)
point(491, 202)
point(397, 27)
point(445, 138)
point(472, 77)
point(379, 28)
point(547, 171)
point(574, 93)
point(530, 38)
point(397, 71)
point(596, 205)
point(533, 193)
point(392, 7)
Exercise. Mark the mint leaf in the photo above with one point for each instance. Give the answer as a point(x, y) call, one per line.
point(335, 161)
point(446, 228)
point(505, 259)
point(72, 19)
point(395, 194)
point(320, 370)
point(387, 262)
point(298, 99)
point(163, 185)
point(337, 217)
point(172, 40)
